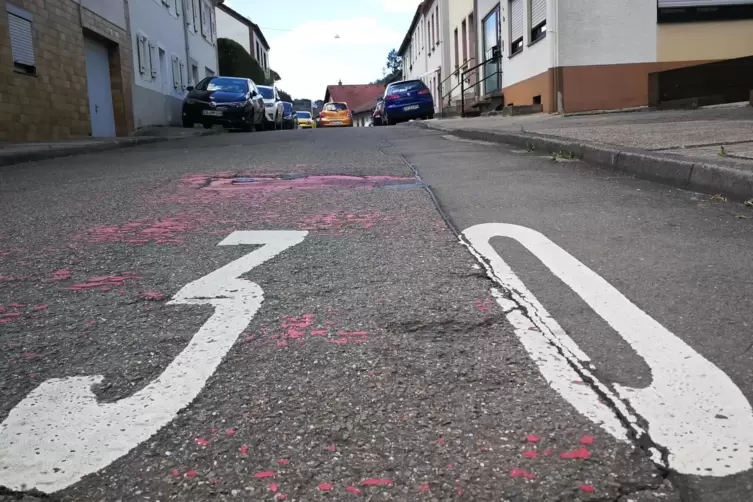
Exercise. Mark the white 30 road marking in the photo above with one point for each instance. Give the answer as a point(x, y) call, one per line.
point(692, 408)
point(60, 433)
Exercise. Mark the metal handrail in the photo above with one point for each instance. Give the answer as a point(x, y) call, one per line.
point(497, 73)
point(457, 70)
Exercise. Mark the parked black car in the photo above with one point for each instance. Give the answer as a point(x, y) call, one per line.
point(228, 101)
point(289, 118)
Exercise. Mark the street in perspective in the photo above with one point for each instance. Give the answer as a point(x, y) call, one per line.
point(511, 261)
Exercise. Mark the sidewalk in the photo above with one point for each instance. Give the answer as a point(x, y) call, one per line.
point(16, 153)
point(708, 150)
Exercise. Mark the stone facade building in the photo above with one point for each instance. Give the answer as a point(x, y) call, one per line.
point(65, 69)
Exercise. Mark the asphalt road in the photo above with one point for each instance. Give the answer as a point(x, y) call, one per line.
point(380, 364)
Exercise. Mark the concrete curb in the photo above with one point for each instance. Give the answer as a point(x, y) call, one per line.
point(691, 174)
point(12, 158)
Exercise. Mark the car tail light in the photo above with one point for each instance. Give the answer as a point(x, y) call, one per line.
point(392, 97)
point(425, 91)
point(349, 114)
point(322, 114)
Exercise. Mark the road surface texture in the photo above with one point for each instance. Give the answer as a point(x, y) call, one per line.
point(385, 361)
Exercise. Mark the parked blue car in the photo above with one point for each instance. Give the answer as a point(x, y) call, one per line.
point(406, 100)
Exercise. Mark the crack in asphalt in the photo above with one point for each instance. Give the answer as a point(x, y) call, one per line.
point(637, 430)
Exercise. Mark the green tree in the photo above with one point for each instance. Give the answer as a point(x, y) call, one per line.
point(235, 61)
point(284, 96)
point(393, 70)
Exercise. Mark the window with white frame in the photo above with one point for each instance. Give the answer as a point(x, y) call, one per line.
point(205, 21)
point(538, 20)
point(195, 14)
point(177, 77)
point(517, 25)
point(21, 39)
point(212, 26)
point(153, 58)
point(142, 51)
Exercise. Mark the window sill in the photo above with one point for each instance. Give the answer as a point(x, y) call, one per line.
point(519, 51)
point(537, 41)
point(24, 72)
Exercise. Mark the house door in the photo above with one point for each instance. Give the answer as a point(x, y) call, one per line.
point(100, 92)
point(491, 41)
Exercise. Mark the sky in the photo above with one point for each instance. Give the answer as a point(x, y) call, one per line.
point(303, 47)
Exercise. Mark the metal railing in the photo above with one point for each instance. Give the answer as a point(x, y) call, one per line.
point(455, 73)
point(498, 74)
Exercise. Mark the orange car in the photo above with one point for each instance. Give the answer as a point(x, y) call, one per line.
point(336, 115)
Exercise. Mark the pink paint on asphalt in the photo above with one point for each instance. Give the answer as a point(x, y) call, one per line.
point(273, 183)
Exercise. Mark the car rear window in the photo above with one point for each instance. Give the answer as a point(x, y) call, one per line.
point(410, 86)
point(287, 107)
point(223, 85)
point(335, 107)
point(304, 115)
point(267, 92)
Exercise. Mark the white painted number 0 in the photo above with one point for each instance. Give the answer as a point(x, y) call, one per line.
point(692, 408)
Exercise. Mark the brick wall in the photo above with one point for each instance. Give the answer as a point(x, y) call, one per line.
point(54, 103)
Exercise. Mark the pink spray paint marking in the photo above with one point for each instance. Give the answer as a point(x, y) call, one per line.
point(282, 496)
point(109, 280)
point(244, 449)
point(90, 323)
point(516, 473)
point(325, 487)
point(319, 332)
point(587, 440)
point(10, 278)
point(265, 474)
point(283, 461)
point(12, 315)
point(153, 296)
point(175, 473)
point(201, 442)
point(17, 306)
point(142, 232)
point(273, 183)
point(230, 432)
point(332, 448)
point(377, 482)
point(191, 474)
point(580, 453)
point(424, 488)
point(532, 438)
point(353, 490)
point(587, 488)
point(273, 487)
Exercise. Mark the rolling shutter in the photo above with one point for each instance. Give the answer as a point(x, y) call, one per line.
point(517, 19)
point(21, 40)
point(538, 12)
point(701, 3)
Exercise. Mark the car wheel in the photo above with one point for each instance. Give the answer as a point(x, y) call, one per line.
point(207, 126)
point(188, 124)
point(431, 115)
point(248, 126)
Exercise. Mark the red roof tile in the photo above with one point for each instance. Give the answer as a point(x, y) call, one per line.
point(360, 98)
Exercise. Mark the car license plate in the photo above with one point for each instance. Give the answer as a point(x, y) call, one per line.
point(411, 107)
point(212, 113)
point(335, 122)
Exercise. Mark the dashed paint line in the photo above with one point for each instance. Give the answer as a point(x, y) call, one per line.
point(59, 433)
point(692, 409)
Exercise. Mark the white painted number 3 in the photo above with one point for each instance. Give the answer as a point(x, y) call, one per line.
point(59, 433)
point(692, 408)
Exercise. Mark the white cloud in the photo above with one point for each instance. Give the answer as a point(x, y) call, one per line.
point(401, 5)
point(310, 57)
